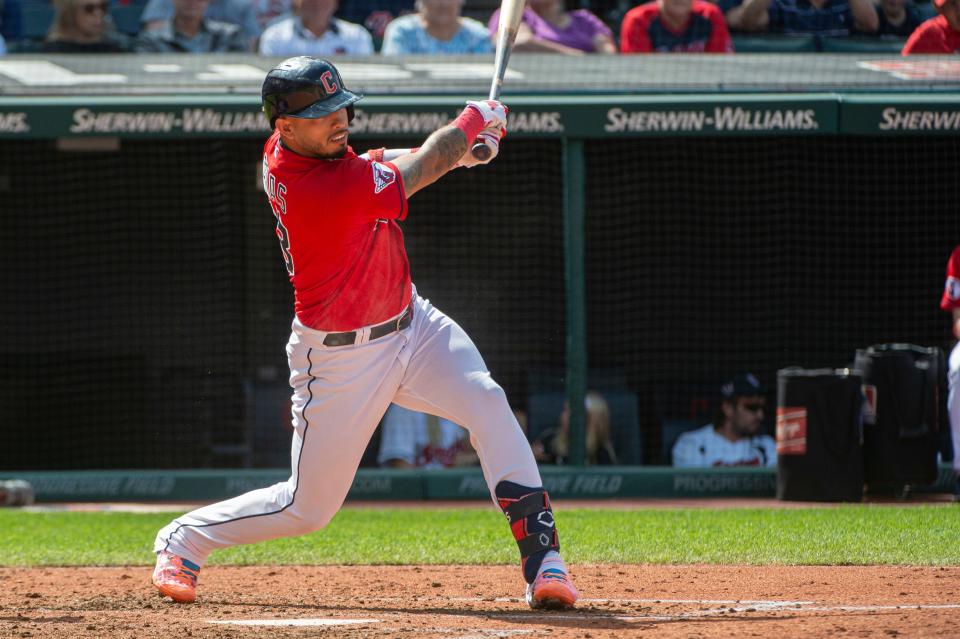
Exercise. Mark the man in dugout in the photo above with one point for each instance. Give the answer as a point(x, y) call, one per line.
point(734, 438)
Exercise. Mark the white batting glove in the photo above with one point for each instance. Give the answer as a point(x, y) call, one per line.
point(494, 113)
point(491, 138)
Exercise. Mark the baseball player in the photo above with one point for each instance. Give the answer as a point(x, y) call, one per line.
point(950, 302)
point(362, 337)
point(734, 437)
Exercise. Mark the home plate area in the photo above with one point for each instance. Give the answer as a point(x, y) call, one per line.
point(602, 616)
point(444, 602)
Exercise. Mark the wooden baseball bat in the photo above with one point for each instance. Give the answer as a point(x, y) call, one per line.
point(510, 13)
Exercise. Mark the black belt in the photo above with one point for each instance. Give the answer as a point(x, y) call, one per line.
point(376, 332)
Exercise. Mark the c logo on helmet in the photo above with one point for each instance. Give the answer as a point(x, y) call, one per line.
point(326, 78)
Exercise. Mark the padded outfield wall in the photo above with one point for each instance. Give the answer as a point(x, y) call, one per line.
point(650, 227)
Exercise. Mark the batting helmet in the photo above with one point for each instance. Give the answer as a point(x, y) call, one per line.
point(305, 87)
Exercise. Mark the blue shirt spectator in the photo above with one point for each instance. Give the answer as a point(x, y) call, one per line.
point(802, 17)
point(314, 31)
point(3, 46)
point(237, 12)
point(436, 28)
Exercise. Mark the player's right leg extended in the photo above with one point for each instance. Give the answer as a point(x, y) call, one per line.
point(338, 400)
point(447, 377)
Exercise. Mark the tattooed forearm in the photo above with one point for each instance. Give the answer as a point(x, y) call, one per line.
point(451, 144)
point(412, 175)
point(438, 155)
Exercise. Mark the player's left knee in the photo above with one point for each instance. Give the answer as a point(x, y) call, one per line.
point(486, 396)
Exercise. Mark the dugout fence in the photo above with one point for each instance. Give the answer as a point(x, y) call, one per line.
point(647, 247)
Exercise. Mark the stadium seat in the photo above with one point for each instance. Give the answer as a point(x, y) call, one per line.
point(773, 43)
point(36, 18)
point(126, 17)
point(670, 430)
point(543, 411)
point(625, 427)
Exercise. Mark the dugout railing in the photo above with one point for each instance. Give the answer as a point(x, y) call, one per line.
point(674, 238)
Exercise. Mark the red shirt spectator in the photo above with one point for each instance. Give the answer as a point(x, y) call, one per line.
point(675, 26)
point(940, 34)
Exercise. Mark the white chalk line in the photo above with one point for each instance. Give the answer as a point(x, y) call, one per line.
point(729, 606)
point(722, 602)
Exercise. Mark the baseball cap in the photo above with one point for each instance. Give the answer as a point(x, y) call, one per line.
point(742, 385)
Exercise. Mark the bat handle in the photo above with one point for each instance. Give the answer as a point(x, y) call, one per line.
point(480, 150)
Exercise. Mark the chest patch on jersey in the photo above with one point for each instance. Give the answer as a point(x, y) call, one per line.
point(383, 176)
point(953, 289)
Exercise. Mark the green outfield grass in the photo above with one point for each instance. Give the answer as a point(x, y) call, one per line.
point(853, 534)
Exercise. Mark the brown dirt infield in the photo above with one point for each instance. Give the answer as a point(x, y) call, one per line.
point(419, 602)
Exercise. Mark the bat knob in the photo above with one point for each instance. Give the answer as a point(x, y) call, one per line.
point(480, 151)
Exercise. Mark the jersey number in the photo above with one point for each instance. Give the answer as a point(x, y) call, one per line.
point(285, 245)
point(276, 192)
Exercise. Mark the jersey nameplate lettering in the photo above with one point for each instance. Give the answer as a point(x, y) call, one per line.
point(383, 176)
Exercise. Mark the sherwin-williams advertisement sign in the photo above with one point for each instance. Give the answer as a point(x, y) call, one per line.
point(574, 117)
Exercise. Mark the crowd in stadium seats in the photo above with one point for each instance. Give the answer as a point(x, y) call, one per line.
point(400, 27)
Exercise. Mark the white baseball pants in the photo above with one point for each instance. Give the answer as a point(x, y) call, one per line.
point(339, 396)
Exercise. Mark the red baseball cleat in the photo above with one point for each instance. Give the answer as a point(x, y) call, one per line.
point(176, 577)
point(553, 588)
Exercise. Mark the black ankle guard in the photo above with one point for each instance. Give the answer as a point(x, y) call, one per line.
point(531, 521)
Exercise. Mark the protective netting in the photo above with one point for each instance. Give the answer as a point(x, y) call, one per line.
point(146, 306)
point(711, 256)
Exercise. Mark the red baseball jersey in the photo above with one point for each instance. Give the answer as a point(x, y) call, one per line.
point(644, 31)
point(337, 225)
point(933, 36)
point(951, 289)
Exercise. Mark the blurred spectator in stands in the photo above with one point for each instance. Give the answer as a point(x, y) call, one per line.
point(188, 31)
point(83, 26)
point(897, 18)
point(314, 31)
point(436, 28)
point(3, 46)
point(807, 17)
point(410, 439)
point(548, 27)
point(734, 437)
point(940, 34)
point(675, 26)
point(241, 13)
point(553, 446)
